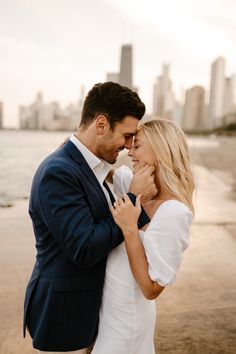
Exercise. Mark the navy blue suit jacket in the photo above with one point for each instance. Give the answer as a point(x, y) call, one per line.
point(74, 233)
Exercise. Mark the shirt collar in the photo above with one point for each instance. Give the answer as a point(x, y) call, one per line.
point(99, 167)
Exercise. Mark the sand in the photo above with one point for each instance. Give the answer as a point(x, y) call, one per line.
point(195, 315)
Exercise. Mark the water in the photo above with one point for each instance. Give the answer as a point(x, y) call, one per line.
point(22, 151)
point(20, 154)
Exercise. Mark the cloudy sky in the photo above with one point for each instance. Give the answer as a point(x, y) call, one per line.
point(58, 45)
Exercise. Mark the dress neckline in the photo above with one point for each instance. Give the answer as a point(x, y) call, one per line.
point(160, 206)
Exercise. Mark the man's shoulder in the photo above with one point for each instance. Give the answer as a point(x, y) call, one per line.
point(58, 162)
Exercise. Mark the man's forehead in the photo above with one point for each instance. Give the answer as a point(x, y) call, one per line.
point(129, 125)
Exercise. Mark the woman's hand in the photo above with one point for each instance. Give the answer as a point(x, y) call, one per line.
point(125, 213)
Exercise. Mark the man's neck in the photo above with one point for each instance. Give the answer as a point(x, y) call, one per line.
point(86, 139)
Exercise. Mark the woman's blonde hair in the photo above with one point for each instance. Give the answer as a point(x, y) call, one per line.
point(169, 144)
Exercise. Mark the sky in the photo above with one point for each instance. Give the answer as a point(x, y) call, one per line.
point(56, 46)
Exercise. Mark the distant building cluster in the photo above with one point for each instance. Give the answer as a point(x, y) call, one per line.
point(50, 116)
point(202, 110)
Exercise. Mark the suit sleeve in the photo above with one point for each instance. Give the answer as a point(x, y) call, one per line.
point(66, 213)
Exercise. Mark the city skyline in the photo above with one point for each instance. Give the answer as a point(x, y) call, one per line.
point(196, 113)
point(57, 46)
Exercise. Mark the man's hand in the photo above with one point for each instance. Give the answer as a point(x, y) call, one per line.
point(143, 183)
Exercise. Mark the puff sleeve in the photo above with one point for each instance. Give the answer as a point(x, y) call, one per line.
point(165, 240)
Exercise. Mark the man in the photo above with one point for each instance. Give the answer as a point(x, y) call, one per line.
point(74, 230)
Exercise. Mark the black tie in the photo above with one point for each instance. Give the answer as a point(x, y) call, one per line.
point(109, 192)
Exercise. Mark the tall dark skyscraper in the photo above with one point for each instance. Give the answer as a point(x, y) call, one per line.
point(125, 77)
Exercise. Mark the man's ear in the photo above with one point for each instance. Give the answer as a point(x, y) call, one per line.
point(102, 124)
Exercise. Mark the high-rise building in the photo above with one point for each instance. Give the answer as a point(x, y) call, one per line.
point(163, 96)
point(230, 95)
point(217, 93)
point(1, 115)
point(126, 76)
point(114, 77)
point(194, 109)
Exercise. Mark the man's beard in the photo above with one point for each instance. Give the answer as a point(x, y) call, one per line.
point(107, 153)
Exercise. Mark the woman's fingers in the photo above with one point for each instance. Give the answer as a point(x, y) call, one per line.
point(149, 169)
point(126, 199)
point(138, 201)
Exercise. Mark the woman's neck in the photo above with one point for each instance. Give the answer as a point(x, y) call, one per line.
point(163, 193)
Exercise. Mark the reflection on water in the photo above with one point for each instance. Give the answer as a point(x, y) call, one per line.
point(22, 151)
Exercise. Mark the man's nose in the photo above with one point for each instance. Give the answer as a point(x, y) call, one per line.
point(130, 152)
point(128, 143)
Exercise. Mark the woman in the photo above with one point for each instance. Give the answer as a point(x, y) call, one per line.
point(140, 268)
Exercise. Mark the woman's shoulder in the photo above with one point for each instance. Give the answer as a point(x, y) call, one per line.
point(173, 210)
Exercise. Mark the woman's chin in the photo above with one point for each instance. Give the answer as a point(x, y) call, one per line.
point(136, 168)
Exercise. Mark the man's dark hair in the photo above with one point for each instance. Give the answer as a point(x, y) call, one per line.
point(112, 100)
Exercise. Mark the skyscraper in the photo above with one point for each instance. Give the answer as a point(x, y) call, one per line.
point(125, 76)
point(217, 92)
point(194, 109)
point(163, 97)
point(1, 115)
point(114, 77)
point(230, 95)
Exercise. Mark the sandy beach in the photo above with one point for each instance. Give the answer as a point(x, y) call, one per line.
point(196, 315)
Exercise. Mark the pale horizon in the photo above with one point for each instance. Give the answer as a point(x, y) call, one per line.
point(57, 46)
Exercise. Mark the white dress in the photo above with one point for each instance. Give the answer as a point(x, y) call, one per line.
point(127, 319)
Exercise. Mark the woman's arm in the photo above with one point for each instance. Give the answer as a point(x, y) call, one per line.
point(139, 265)
point(126, 216)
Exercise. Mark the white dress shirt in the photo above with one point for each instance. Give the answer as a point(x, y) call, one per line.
point(100, 168)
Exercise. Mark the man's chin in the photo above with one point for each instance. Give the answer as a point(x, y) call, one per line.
point(111, 161)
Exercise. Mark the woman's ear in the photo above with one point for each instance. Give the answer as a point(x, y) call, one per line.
point(102, 124)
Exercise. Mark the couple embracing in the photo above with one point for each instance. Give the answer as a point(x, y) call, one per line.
point(103, 256)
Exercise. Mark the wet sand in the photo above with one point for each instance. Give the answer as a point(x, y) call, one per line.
point(196, 315)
